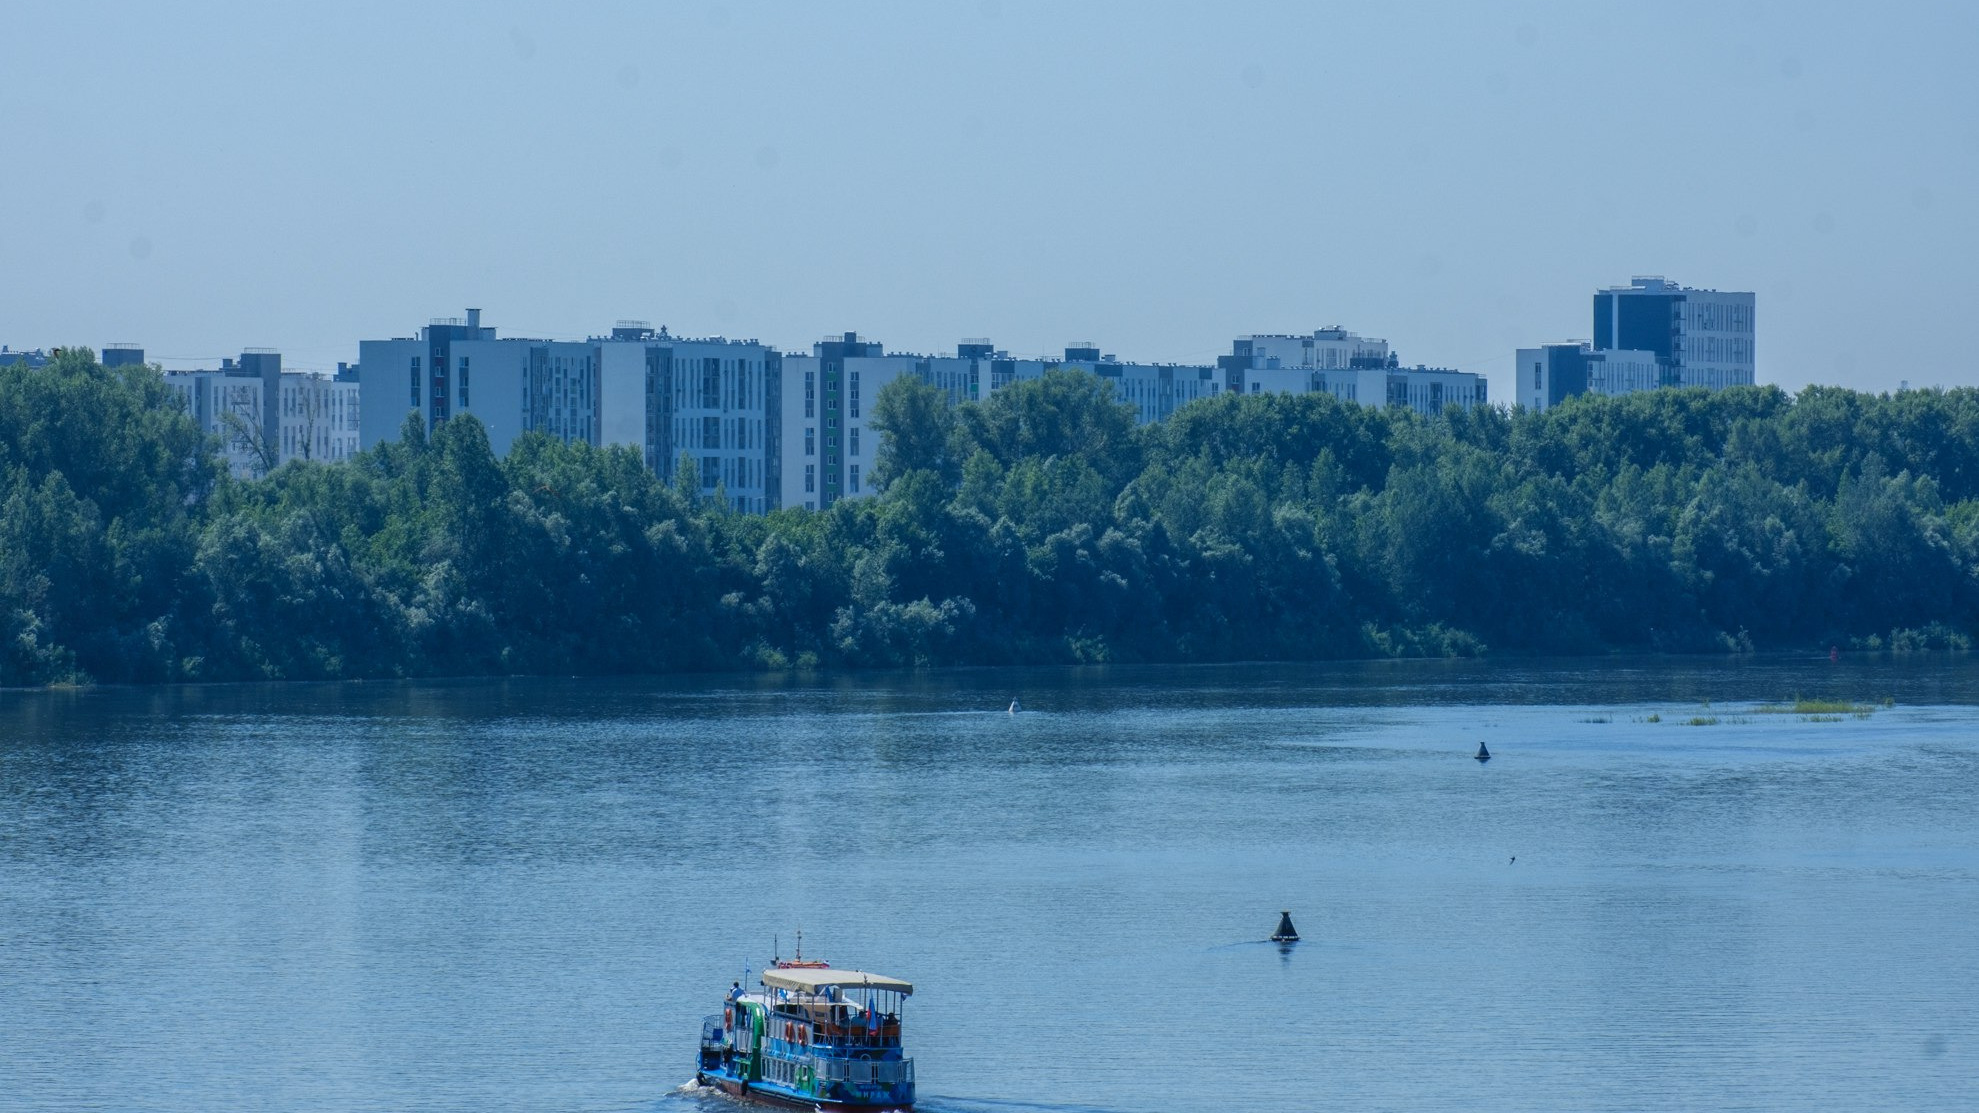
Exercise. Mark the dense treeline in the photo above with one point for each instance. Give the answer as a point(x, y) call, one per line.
point(1040, 525)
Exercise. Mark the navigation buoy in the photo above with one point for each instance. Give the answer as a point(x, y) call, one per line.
point(1286, 933)
point(1483, 752)
point(1014, 708)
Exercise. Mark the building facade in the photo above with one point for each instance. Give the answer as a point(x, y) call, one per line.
point(1327, 349)
point(1346, 366)
point(1699, 337)
point(1155, 390)
point(456, 365)
point(34, 358)
point(317, 416)
point(122, 355)
point(1650, 334)
point(828, 446)
point(313, 416)
point(1548, 375)
point(712, 403)
point(226, 405)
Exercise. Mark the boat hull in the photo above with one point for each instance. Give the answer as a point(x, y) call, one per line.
point(769, 1095)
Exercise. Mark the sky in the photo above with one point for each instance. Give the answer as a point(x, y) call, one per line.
point(1158, 178)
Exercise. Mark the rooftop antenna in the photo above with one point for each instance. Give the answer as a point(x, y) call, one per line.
point(800, 944)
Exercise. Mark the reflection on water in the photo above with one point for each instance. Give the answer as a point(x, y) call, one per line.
point(524, 894)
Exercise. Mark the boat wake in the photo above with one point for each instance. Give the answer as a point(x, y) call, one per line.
point(1246, 943)
point(695, 1095)
point(940, 1104)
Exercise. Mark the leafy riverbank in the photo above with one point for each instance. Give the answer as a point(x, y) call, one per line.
point(1041, 525)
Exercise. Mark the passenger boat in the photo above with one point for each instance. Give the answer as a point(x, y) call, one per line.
point(813, 1037)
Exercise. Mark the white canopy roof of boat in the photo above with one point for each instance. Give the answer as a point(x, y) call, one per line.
point(813, 980)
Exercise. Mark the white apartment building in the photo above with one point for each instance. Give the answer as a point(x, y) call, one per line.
point(1327, 349)
point(1547, 375)
point(1155, 390)
point(315, 416)
point(226, 405)
point(456, 366)
point(829, 447)
point(1347, 366)
point(1701, 337)
point(714, 402)
point(513, 385)
point(1430, 390)
point(828, 444)
point(1649, 334)
point(710, 401)
point(318, 418)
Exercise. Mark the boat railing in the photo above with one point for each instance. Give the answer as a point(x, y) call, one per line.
point(851, 1034)
point(867, 1072)
point(712, 1046)
point(857, 1037)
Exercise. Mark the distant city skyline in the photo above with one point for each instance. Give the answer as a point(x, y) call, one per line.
point(1156, 178)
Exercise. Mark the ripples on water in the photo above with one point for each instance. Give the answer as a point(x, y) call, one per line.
point(524, 894)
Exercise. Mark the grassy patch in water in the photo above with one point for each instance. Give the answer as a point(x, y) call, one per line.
point(1654, 717)
point(1802, 706)
point(1598, 719)
point(1701, 721)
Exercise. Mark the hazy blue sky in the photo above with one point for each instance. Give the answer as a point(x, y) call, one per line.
point(1455, 177)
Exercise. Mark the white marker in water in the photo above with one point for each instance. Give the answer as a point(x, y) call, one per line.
point(1014, 708)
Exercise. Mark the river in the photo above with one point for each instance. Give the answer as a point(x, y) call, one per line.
point(524, 894)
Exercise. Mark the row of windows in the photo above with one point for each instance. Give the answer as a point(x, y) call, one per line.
point(316, 445)
point(811, 441)
point(1717, 316)
point(719, 384)
point(718, 432)
point(811, 479)
point(734, 472)
point(1716, 349)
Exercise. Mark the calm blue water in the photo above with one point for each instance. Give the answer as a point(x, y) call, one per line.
point(522, 895)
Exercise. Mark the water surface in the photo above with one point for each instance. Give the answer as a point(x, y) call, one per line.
point(523, 895)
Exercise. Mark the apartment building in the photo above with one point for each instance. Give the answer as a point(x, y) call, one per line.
point(1700, 337)
point(712, 403)
point(1650, 334)
point(1346, 366)
point(314, 415)
point(829, 444)
point(1551, 373)
point(456, 365)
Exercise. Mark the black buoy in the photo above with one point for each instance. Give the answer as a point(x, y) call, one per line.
point(1483, 753)
point(1286, 933)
